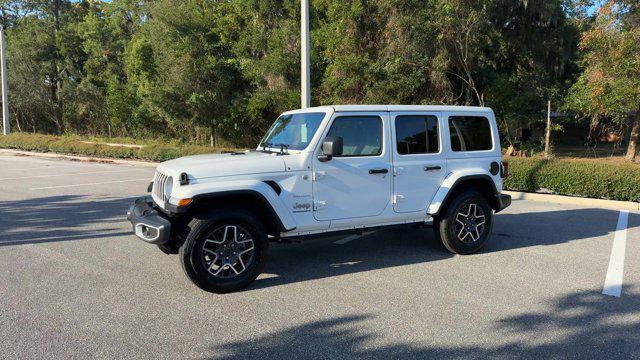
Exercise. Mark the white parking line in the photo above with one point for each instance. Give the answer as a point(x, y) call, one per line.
point(71, 174)
point(41, 167)
point(90, 184)
point(613, 281)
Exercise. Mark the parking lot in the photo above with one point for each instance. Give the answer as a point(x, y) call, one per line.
point(75, 283)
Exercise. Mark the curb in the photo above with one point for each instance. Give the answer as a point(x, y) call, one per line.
point(79, 158)
point(561, 199)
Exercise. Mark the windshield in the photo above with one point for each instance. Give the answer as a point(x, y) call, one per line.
point(293, 131)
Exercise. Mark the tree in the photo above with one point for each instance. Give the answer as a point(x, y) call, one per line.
point(30, 100)
point(610, 83)
point(195, 68)
point(181, 69)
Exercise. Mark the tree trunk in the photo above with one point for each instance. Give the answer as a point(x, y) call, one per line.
point(17, 117)
point(593, 126)
point(633, 139)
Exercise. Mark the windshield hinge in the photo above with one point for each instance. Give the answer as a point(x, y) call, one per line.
point(397, 198)
point(319, 205)
point(398, 170)
point(317, 175)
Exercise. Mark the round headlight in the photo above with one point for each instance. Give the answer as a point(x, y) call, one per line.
point(168, 186)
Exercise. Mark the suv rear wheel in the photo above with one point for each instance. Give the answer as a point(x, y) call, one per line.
point(224, 251)
point(465, 226)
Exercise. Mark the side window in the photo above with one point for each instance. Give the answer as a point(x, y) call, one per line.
point(361, 135)
point(417, 134)
point(470, 133)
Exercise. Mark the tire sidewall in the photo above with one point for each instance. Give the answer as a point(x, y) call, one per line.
point(191, 250)
point(447, 224)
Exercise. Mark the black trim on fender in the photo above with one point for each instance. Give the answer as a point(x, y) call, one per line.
point(495, 191)
point(175, 209)
point(274, 185)
point(267, 205)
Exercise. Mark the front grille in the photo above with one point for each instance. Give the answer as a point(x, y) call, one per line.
point(159, 181)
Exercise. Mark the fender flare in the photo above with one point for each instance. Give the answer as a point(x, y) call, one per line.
point(260, 190)
point(444, 192)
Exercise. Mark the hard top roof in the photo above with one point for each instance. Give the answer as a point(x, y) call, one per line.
point(354, 108)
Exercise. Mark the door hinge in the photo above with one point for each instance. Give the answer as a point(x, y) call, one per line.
point(398, 170)
point(319, 205)
point(397, 198)
point(317, 175)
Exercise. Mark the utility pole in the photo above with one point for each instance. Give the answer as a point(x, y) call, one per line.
point(5, 89)
point(305, 72)
point(547, 138)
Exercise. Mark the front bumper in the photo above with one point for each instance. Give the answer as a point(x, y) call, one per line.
point(148, 224)
point(504, 201)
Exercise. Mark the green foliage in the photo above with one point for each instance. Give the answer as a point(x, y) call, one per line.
point(609, 87)
point(576, 177)
point(28, 142)
point(193, 69)
point(74, 145)
point(610, 83)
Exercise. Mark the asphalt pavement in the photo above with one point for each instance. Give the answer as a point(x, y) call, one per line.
point(74, 283)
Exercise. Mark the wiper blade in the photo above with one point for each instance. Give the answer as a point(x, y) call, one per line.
point(264, 147)
point(283, 148)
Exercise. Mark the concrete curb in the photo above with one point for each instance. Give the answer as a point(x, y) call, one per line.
point(561, 199)
point(79, 158)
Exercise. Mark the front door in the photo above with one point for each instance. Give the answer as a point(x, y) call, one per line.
point(358, 183)
point(418, 159)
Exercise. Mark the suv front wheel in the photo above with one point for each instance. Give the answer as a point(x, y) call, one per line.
point(465, 227)
point(224, 251)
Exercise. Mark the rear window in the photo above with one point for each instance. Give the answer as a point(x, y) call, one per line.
point(470, 133)
point(417, 134)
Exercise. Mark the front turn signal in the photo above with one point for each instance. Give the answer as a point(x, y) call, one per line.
point(184, 202)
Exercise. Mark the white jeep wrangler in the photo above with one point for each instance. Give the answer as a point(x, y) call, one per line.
point(324, 170)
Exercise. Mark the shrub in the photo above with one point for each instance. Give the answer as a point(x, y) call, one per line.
point(603, 179)
point(77, 146)
point(29, 142)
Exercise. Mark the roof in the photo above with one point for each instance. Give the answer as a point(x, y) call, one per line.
point(348, 108)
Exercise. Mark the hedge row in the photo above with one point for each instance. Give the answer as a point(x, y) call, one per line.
point(77, 146)
point(601, 179)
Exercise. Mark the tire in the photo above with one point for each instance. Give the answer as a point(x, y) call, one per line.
point(462, 237)
point(224, 251)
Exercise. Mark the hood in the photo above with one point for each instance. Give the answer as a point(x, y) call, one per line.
point(216, 165)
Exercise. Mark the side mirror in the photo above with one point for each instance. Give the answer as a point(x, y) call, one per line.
point(331, 146)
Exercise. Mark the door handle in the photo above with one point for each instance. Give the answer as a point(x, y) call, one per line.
point(378, 171)
point(432, 168)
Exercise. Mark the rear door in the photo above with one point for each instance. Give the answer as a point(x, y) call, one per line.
point(419, 162)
